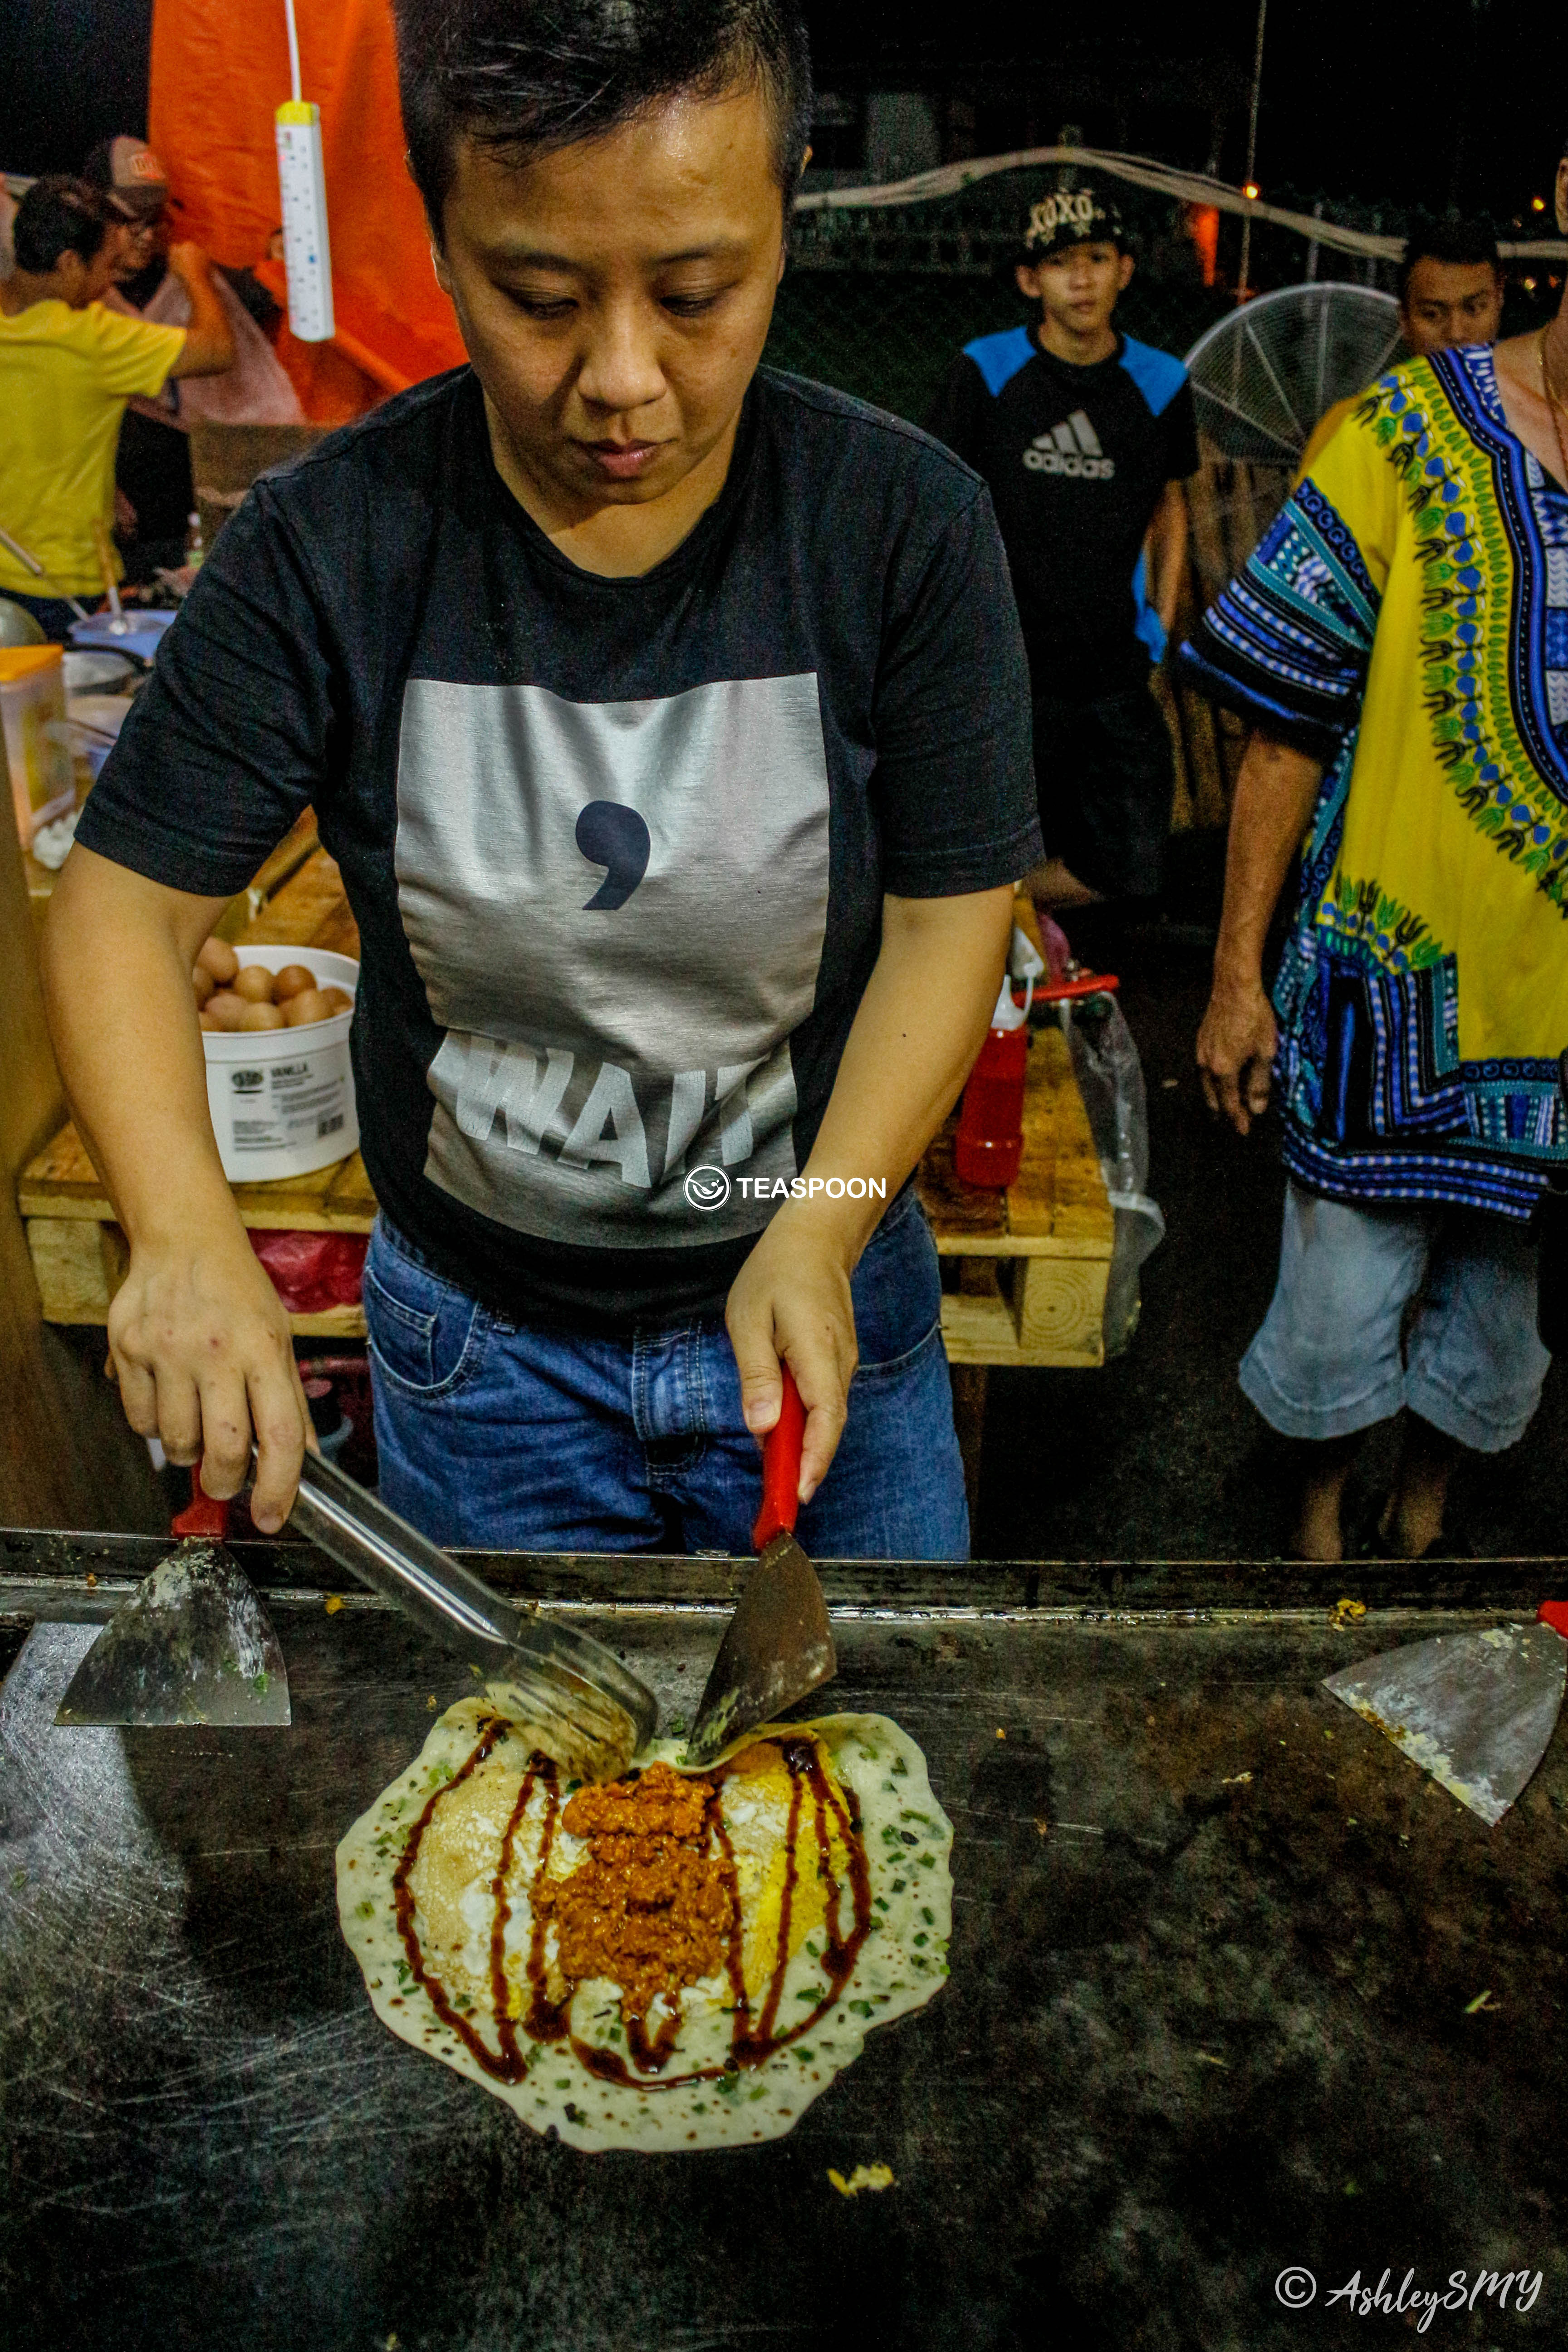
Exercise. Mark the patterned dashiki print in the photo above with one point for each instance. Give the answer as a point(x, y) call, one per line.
point(1406, 619)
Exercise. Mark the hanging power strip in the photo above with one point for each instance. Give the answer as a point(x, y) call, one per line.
point(307, 255)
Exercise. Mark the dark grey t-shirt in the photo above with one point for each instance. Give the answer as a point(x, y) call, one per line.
point(616, 848)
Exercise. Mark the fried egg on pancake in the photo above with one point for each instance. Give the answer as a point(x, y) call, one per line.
point(804, 1941)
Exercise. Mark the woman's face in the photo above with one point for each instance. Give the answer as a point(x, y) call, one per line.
point(615, 296)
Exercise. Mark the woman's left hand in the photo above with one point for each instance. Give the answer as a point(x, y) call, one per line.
point(791, 1302)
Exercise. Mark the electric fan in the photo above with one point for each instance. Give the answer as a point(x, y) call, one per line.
point(1261, 377)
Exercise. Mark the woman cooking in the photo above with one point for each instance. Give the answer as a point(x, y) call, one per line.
point(668, 720)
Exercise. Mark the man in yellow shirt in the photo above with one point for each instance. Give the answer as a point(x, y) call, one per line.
point(1450, 291)
point(67, 366)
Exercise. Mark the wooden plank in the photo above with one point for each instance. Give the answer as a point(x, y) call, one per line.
point(289, 1203)
point(1032, 1198)
point(298, 846)
point(332, 1323)
point(351, 1203)
point(1060, 1192)
point(309, 909)
point(1057, 1207)
point(957, 1211)
point(68, 1263)
point(61, 1182)
point(978, 1330)
point(971, 1337)
point(1061, 1311)
point(1035, 1261)
point(79, 1265)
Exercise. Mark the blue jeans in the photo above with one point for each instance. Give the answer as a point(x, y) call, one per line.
point(506, 1438)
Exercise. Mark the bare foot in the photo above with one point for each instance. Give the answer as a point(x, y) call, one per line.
point(1317, 1534)
point(1412, 1519)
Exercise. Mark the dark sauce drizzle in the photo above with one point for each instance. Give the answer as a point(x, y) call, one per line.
point(750, 2044)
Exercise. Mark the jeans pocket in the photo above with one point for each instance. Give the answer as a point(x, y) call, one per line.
point(897, 1287)
point(885, 1368)
point(425, 1333)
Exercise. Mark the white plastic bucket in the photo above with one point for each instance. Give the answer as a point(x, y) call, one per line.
point(282, 1101)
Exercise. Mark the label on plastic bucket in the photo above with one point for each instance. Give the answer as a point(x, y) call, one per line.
point(287, 1105)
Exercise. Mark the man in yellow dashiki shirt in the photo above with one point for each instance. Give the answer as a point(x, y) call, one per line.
point(1399, 639)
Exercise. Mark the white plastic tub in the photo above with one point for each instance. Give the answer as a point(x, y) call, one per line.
point(282, 1101)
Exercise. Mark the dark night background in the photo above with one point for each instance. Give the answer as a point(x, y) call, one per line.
point(1463, 101)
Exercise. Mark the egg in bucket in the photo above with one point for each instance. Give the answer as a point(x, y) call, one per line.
point(282, 1101)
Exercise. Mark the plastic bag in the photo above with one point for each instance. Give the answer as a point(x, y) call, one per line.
point(1110, 1080)
point(311, 1272)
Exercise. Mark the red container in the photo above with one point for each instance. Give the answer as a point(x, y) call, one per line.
point(989, 1144)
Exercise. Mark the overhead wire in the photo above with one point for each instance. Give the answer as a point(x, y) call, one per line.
point(1143, 171)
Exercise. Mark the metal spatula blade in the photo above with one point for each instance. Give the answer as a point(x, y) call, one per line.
point(1477, 1711)
point(193, 1645)
point(778, 1646)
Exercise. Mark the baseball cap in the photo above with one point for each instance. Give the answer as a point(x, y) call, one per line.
point(131, 174)
point(1083, 215)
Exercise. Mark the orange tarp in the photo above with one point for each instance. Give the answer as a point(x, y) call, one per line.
point(219, 72)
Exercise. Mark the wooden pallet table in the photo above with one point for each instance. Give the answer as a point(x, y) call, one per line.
point(1033, 1262)
point(1024, 1271)
point(1028, 1267)
point(79, 1254)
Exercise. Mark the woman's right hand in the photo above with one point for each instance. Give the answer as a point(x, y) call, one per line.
point(197, 1336)
point(199, 1343)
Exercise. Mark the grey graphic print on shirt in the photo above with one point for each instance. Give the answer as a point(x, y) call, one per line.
point(617, 911)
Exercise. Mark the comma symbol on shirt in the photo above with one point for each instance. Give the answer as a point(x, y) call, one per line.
point(612, 835)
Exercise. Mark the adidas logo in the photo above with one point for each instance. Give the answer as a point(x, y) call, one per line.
point(1073, 450)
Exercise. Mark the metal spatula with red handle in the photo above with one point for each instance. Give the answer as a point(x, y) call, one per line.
point(778, 1646)
point(1475, 1710)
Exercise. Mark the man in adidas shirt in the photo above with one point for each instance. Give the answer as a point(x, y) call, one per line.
point(1084, 438)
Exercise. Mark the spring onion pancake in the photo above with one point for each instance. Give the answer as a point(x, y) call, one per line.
point(673, 1960)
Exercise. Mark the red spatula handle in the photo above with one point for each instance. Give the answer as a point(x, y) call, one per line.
point(781, 1467)
point(202, 1514)
point(1555, 1614)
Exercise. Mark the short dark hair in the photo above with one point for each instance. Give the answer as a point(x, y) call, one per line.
point(58, 215)
point(525, 77)
point(1468, 243)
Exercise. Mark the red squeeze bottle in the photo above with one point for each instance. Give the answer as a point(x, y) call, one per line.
point(989, 1144)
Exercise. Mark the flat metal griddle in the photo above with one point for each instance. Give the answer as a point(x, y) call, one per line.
point(1200, 2027)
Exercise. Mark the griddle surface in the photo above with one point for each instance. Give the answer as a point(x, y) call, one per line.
point(1215, 1948)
